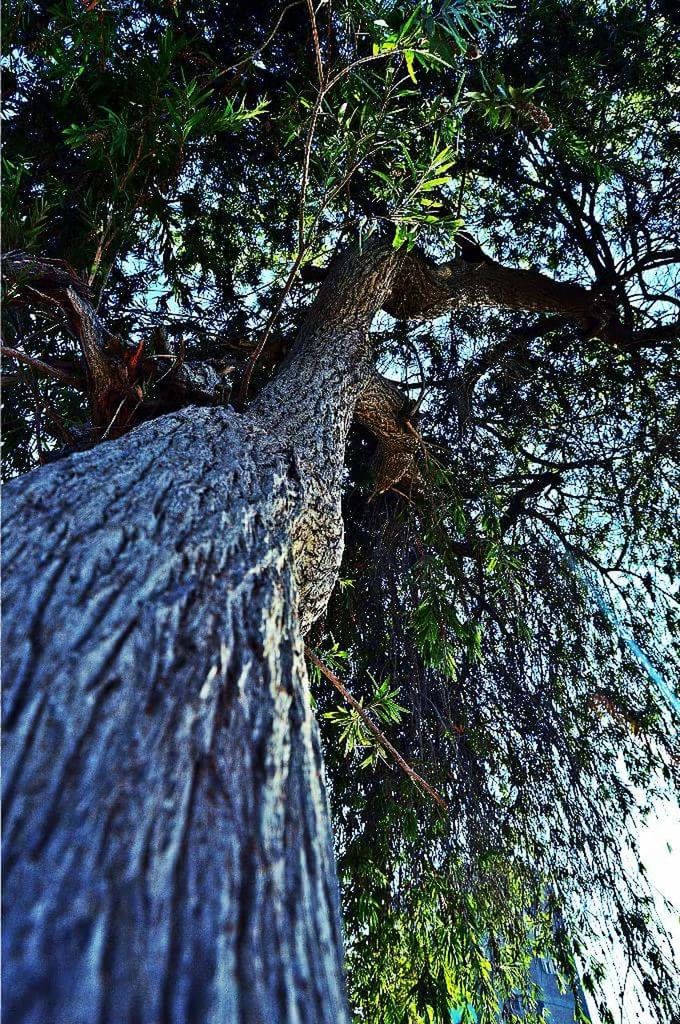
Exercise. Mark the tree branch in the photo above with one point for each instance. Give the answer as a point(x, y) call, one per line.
point(424, 290)
point(44, 369)
point(413, 775)
point(542, 482)
point(55, 282)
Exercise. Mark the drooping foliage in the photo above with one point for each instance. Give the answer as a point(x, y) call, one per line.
point(508, 624)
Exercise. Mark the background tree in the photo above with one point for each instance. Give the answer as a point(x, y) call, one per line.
point(177, 179)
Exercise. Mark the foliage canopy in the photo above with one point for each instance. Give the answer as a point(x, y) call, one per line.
point(508, 626)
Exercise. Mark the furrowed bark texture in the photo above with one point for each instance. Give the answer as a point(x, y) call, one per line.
point(167, 845)
point(423, 289)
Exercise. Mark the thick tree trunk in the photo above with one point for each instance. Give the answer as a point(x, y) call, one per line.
point(168, 854)
point(167, 845)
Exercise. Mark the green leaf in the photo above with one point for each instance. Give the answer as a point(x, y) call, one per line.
point(408, 57)
point(433, 183)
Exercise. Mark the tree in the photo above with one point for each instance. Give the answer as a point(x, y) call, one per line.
point(168, 845)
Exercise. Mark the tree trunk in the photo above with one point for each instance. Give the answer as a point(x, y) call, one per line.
point(168, 854)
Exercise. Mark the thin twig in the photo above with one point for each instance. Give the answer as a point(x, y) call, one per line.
point(37, 420)
point(317, 45)
point(395, 490)
point(40, 367)
point(304, 173)
point(265, 44)
point(413, 775)
point(115, 417)
point(259, 348)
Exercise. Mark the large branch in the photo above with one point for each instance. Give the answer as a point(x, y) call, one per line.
point(424, 290)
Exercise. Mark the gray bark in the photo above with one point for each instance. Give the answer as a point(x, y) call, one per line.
point(168, 854)
point(167, 845)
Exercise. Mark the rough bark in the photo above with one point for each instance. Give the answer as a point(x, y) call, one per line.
point(313, 399)
point(168, 854)
point(384, 410)
point(423, 289)
point(167, 845)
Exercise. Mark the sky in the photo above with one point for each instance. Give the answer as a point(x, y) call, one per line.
point(660, 852)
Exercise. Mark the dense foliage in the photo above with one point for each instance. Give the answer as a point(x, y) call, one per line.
point(507, 624)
